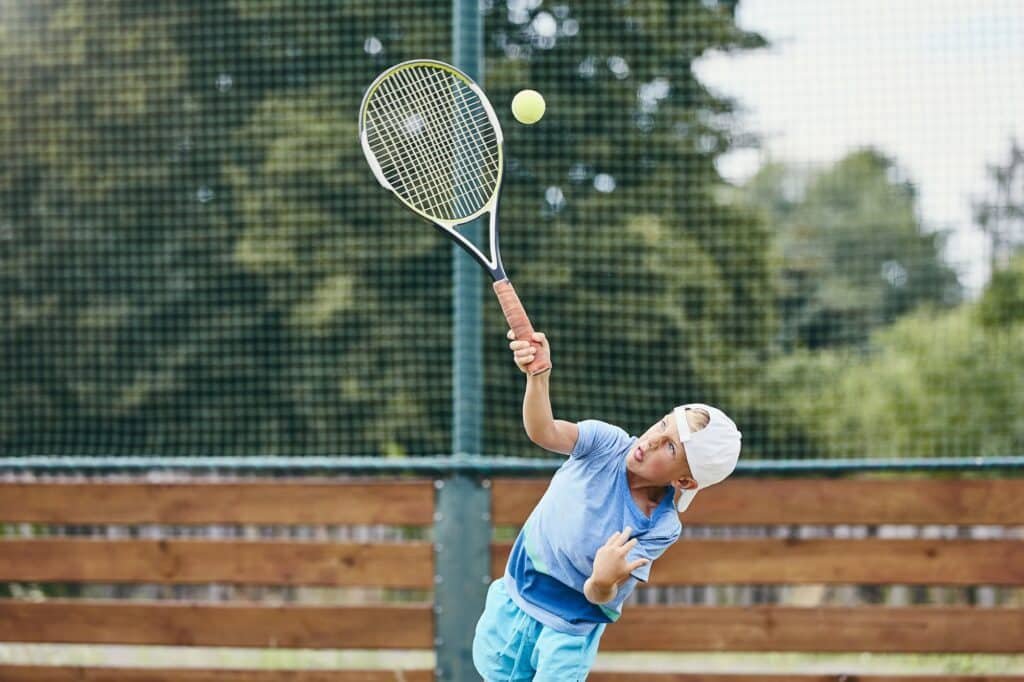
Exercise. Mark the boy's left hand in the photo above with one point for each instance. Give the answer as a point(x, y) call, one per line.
point(611, 567)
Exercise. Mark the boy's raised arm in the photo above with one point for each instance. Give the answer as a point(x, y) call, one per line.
point(542, 428)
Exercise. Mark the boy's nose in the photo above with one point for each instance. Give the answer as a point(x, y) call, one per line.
point(653, 442)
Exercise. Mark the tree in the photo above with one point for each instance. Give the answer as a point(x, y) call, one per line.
point(853, 253)
point(1001, 215)
point(653, 292)
point(1002, 303)
point(201, 263)
point(76, 113)
point(611, 233)
point(938, 384)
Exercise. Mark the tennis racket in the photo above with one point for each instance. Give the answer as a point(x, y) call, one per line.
point(432, 138)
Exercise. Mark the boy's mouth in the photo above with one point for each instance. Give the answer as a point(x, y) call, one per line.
point(638, 454)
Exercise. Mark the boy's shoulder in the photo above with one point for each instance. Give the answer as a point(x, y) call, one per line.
point(601, 437)
point(670, 525)
point(600, 425)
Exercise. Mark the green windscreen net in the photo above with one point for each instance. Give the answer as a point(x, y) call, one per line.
point(811, 218)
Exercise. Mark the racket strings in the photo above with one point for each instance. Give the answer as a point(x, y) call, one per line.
point(478, 119)
point(442, 177)
point(435, 142)
point(483, 175)
point(403, 146)
point(442, 173)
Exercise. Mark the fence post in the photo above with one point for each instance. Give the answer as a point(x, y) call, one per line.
point(462, 527)
point(462, 570)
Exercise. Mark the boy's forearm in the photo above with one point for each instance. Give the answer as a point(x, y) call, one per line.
point(537, 416)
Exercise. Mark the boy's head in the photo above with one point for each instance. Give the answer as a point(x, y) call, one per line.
point(711, 452)
point(692, 448)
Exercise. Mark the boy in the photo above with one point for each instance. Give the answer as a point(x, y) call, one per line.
point(578, 556)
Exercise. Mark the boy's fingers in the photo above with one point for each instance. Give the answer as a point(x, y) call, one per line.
point(637, 564)
point(629, 545)
point(537, 336)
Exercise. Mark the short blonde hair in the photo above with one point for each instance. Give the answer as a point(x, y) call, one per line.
point(697, 418)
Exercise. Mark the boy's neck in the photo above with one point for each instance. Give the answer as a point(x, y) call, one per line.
point(655, 492)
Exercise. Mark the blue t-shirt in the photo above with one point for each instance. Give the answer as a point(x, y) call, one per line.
point(588, 500)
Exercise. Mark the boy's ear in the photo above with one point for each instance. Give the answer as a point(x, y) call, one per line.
point(684, 483)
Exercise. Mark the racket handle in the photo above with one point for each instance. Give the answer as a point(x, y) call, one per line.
point(515, 314)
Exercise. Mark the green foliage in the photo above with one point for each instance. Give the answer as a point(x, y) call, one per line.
point(1002, 304)
point(936, 384)
point(1000, 214)
point(648, 291)
point(198, 259)
point(195, 258)
point(852, 252)
point(937, 381)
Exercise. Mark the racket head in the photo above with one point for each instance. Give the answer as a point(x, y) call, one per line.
point(432, 138)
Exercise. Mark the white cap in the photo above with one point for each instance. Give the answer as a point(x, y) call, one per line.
point(711, 452)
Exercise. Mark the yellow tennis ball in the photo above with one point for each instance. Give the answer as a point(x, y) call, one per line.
point(528, 106)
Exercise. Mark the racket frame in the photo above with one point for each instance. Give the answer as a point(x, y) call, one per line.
point(493, 265)
point(515, 313)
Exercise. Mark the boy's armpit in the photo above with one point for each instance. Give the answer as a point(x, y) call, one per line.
point(561, 438)
point(643, 573)
point(650, 548)
point(599, 438)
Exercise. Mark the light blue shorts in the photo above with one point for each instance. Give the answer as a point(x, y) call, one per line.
point(511, 645)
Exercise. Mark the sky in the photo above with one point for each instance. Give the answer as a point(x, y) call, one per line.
point(936, 84)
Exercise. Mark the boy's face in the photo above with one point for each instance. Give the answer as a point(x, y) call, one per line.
point(659, 456)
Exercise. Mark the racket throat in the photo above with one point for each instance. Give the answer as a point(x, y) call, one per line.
point(497, 269)
point(492, 264)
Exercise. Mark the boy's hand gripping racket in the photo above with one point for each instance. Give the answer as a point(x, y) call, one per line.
point(431, 137)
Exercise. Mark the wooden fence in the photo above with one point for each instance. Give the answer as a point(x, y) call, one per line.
point(410, 564)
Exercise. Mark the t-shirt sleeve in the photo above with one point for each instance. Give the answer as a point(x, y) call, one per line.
point(598, 438)
point(650, 548)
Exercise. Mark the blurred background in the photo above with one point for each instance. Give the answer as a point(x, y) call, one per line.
point(810, 214)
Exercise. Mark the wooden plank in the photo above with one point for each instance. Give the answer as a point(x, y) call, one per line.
point(642, 628)
point(291, 502)
point(40, 673)
point(868, 562)
point(235, 625)
point(244, 562)
point(928, 629)
point(79, 674)
point(617, 676)
point(913, 501)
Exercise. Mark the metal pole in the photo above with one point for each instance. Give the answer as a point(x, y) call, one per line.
point(462, 530)
point(467, 356)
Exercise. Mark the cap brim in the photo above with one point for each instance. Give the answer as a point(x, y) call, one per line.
point(685, 498)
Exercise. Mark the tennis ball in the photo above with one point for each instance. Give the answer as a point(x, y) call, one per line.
point(528, 106)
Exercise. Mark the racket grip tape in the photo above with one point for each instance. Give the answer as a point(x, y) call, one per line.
point(515, 314)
